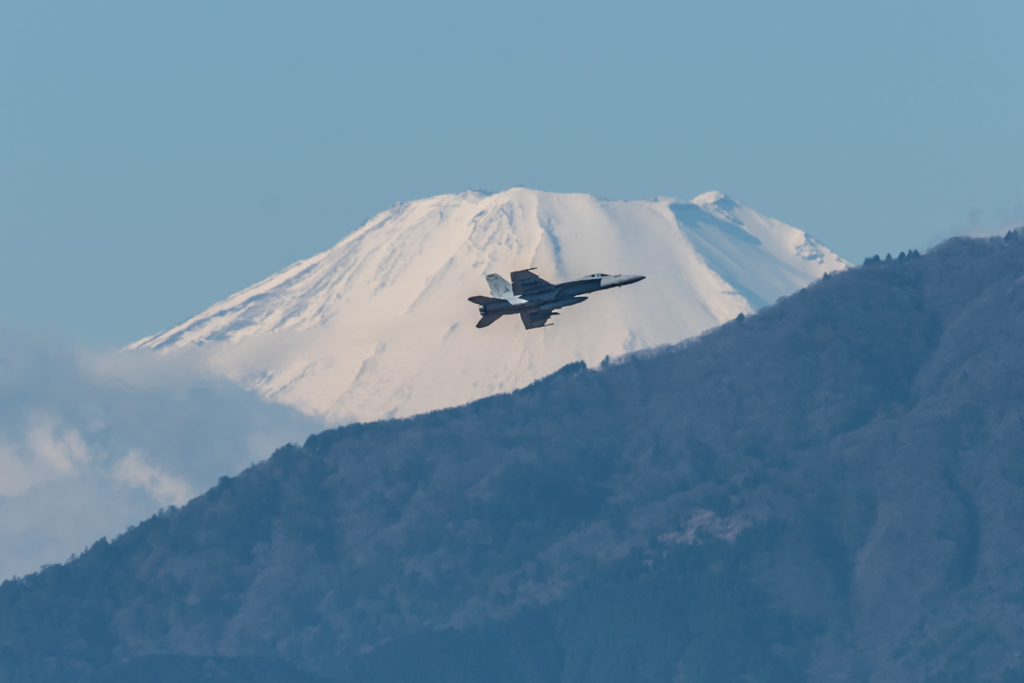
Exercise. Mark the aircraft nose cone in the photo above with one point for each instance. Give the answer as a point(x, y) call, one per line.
point(619, 280)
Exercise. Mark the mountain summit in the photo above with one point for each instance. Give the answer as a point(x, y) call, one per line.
point(378, 326)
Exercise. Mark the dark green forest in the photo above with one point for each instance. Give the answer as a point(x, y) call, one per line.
point(829, 490)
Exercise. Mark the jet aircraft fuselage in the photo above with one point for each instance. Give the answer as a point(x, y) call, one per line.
point(535, 300)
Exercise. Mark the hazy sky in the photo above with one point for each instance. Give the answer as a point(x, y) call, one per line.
point(156, 157)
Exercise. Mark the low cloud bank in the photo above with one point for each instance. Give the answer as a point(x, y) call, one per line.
point(91, 443)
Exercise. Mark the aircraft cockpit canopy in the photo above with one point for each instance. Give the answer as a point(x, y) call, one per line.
point(598, 275)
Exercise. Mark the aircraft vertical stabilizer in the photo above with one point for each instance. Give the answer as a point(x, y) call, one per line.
point(500, 287)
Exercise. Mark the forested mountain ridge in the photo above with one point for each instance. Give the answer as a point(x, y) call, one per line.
point(828, 490)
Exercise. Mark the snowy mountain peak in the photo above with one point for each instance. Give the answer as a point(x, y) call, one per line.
point(709, 198)
point(379, 326)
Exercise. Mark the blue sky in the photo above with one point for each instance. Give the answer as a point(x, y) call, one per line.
point(156, 158)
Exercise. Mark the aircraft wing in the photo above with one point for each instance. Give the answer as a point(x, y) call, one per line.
point(532, 319)
point(528, 286)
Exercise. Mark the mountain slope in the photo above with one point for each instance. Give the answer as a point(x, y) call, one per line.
point(379, 326)
point(831, 489)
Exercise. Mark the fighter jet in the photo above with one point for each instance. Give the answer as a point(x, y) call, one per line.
point(536, 300)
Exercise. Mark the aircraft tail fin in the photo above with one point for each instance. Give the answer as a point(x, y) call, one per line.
point(488, 319)
point(500, 287)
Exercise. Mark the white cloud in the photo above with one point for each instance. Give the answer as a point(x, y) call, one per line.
point(60, 451)
point(165, 489)
point(46, 452)
point(91, 443)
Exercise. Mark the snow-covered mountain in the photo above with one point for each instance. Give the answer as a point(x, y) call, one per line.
point(379, 326)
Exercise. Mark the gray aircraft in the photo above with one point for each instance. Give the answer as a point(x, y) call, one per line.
point(536, 300)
